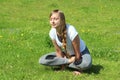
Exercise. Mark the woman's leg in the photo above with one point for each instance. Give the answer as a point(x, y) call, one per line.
point(50, 59)
point(86, 61)
point(85, 64)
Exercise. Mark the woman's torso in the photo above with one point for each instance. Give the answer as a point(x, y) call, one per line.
point(71, 34)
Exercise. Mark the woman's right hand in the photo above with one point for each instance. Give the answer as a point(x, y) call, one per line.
point(72, 59)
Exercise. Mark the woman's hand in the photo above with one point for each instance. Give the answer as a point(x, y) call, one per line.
point(72, 59)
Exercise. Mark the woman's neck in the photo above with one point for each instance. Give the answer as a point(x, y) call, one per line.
point(59, 30)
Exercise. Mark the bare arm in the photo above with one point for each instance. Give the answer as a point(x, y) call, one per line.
point(59, 52)
point(76, 46)
point(57, 48)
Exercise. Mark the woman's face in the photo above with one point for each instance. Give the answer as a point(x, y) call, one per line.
point(55, 20)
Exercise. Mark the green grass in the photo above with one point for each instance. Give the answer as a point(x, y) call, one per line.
point(24, 28)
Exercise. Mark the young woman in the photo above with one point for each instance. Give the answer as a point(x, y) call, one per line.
point(70, 48)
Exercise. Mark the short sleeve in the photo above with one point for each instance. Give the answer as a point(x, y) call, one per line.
point(72, 32)
point(52, 33)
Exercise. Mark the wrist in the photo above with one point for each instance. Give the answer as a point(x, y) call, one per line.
point(78, 57)
point(77, 62)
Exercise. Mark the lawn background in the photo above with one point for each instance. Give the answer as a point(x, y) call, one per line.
point(24, 28)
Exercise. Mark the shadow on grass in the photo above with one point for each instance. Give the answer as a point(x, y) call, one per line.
point(94, 69)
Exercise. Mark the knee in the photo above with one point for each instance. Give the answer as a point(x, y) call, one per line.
point(42, 60)
point(85, 65)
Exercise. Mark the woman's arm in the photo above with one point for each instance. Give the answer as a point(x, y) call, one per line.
point(57, 48)
point(60, 54)
point(76, 46)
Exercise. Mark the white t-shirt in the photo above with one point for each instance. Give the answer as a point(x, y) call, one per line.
point(71, 34)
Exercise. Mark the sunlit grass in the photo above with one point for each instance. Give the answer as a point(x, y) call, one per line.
point(24, 28)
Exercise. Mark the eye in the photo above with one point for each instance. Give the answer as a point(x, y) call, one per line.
point(53, 19)
point(56, 18)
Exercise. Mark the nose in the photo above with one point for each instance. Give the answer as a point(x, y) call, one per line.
point(52, 21)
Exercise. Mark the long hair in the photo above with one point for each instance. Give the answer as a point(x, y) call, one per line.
point(64, 31)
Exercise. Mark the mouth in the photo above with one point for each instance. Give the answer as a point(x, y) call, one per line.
point(53, 25)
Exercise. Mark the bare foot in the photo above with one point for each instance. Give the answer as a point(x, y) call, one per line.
point(77, 72)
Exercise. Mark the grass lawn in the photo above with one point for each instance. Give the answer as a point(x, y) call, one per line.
point(24, 28)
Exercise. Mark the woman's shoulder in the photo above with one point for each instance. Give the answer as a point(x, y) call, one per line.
point(52, 33)
point(70, 27)
point(52, 30)
point(71, 31)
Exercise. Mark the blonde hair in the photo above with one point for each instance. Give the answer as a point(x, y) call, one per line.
point(64, 32)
